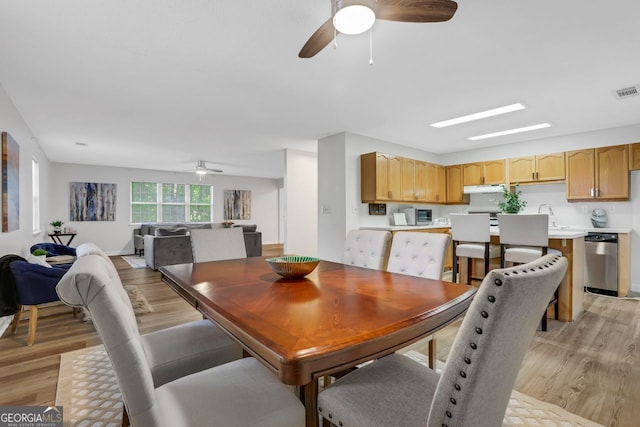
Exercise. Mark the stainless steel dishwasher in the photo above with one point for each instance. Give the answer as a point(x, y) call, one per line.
point(601, 263)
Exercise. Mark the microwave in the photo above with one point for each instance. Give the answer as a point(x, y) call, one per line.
point(418, 216)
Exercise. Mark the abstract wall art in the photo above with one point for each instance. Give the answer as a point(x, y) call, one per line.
point(10, 183)
point(91, 201)
point(237, 204)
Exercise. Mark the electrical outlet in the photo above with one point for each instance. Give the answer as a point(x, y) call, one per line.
point(585, 209)
point(326, 209)
point(612, 209)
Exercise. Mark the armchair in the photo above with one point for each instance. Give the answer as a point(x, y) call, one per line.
point(34, 285)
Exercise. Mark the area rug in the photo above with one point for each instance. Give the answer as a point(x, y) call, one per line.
point(135, 261)
point(138, 302)
point(88, 391)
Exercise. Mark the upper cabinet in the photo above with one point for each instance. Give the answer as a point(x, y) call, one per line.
point(381, 177)
point(491, 172)
point(386, 178)
point(455, 193)
point(634, 156)
point(598, 173)
point(541, 168)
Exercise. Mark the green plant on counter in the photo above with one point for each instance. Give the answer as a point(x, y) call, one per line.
point(39, 252)
point(512, 202)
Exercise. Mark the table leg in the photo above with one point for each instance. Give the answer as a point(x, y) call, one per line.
point(309, 397)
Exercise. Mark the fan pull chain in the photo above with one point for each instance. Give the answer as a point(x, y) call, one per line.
point(371, 46)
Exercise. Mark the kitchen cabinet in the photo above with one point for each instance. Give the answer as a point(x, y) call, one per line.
point(540, 168)
point(490, 172)
point(454, 185)
point(386, 178)
point(634, 156)
point(381, 177)
point(598, 173)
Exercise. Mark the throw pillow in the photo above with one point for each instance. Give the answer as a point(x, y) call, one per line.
point(32, 259)
point(179, 231)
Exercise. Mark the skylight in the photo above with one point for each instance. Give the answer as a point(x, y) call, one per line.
point(510, 131)
point(481, 115)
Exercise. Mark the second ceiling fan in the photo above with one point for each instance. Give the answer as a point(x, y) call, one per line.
point(346, 11)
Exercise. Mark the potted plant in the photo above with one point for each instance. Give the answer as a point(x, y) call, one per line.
point(512, 202)
point(57, 225)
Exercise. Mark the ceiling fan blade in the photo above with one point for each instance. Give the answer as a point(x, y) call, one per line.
point(318, 40)
point(416, 10)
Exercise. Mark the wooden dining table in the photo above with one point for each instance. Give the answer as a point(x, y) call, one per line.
point(335, 318)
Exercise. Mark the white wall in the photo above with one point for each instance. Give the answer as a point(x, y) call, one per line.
point(115, 237)
point(301, 203)
point(12, 122)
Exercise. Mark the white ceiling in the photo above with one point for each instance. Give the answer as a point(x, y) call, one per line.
point(160, 84)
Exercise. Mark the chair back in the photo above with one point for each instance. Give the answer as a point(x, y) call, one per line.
point(485, 358)
point(366, 248)
point(88, 284)
point(524, 229)
point(470, 227)
point(215, 244)
point(92, 249)
point(418, 254)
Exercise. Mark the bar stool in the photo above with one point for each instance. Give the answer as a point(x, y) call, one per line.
point(523, 239)
point(471, 239)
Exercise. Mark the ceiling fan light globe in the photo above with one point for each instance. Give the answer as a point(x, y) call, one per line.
point(354, 19)
point(201, 172)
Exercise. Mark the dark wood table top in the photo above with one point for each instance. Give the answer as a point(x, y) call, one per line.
point(336, 317)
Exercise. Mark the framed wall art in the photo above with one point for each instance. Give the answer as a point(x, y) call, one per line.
point(237, 204)
point(91, 201)
point(10, 183)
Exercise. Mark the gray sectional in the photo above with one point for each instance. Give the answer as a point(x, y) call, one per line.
point(170, 243)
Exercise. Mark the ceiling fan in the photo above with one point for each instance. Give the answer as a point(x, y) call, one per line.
point(357, 16)
point(202, 169)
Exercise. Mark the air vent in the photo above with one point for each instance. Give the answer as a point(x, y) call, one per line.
point(628, 91)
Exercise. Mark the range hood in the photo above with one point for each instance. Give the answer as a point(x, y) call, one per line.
point(483, 189)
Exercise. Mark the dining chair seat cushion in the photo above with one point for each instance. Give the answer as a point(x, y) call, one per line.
point(240, 393)
point(476, 250)
point(366, 248)
point(184, 349)
point(392, 391)
point(522, 254)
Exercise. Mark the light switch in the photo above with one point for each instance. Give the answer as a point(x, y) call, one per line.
point(326, 209)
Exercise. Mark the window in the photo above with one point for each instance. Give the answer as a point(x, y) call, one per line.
point(35, 191)
point(156, 202)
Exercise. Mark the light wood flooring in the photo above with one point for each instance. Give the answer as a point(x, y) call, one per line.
point(590, 367)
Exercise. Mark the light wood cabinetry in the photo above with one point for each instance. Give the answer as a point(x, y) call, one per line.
point(541, 168)
point(598, 173)
point(634, 156)
point(380, 177)
point(454, 188)
point(490, 172)
point(386, 178)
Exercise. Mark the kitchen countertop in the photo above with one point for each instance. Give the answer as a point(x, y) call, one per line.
point(407, 227)
point(559, 232)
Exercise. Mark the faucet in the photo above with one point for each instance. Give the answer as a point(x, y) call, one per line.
point(553, 224)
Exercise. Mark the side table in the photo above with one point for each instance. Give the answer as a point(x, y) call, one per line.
point(57, 238)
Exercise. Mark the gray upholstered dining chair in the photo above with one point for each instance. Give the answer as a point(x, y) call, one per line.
point(366, 248)
point(180, 350)
point(476, 383)
point(215, 244)
point(418, 254)
point(422, 255)
point(242, 392)
point(471, 240)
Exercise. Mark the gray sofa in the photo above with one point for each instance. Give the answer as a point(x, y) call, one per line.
point(169, 243)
